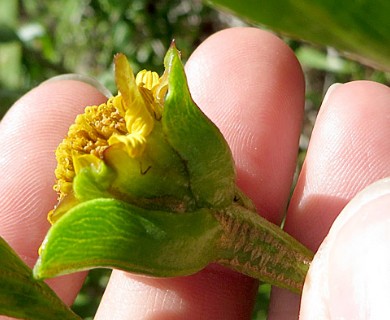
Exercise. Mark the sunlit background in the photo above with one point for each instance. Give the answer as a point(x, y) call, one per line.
point(41, 39)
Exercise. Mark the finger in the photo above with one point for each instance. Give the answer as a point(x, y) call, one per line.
point(30, 132)
point(349, 277)
point(256, 98)
point(348, 150)
point(251, 85)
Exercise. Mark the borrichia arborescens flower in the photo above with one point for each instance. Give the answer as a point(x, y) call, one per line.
point(146, 184)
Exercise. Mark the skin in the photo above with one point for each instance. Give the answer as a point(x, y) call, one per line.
point(251, 85)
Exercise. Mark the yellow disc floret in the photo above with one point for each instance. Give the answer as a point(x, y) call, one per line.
point(126, 119)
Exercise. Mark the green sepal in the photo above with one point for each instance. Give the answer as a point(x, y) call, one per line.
point(23, 297)
point(93, 179)
point(114, 234)
point(197, 140)
point(156, 180)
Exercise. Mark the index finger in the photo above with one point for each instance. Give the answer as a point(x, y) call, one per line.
point(30, 133)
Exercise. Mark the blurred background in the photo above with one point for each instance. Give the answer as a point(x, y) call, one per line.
point(41, 39)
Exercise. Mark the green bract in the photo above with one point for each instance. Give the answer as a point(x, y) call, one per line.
point(198, 142)
point(147, 185)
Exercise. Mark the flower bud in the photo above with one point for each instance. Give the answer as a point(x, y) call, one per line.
point(149, 145)
point(146, 184)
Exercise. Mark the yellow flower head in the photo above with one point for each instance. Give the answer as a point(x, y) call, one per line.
point(125, 119)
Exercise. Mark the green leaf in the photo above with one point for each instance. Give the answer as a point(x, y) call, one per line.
point(360, 28)
point(112, 233)
point(313, 58)
point(7, 34)
point(197, 140)
point(21, 296)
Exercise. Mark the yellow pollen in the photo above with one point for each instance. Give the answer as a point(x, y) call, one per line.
point(126, 120)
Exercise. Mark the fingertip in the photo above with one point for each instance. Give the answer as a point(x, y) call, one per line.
point(348, 150)
point(213, 293)
point(30, 132)
point(250, 84)
point(362, 90)
point(93, 82)
point(33, 128)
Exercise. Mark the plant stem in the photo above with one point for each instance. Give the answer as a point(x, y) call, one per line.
point(254, 246)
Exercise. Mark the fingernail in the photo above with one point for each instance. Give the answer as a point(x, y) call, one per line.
point(82, 78)
point(329, 91)
point(376, 190)
point(359, 258)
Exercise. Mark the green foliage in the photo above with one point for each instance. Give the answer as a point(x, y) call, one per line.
point(24, 297)
point(83, 36)
point(260, 311)
point(360, 28)
point(88, 299)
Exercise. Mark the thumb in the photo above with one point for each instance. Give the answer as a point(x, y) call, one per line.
point(349, 277)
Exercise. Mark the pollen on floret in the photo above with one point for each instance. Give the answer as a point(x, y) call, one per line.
point(88, 135)
point(125, 120)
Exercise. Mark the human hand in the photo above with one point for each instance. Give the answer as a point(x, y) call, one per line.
point(250, 84)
